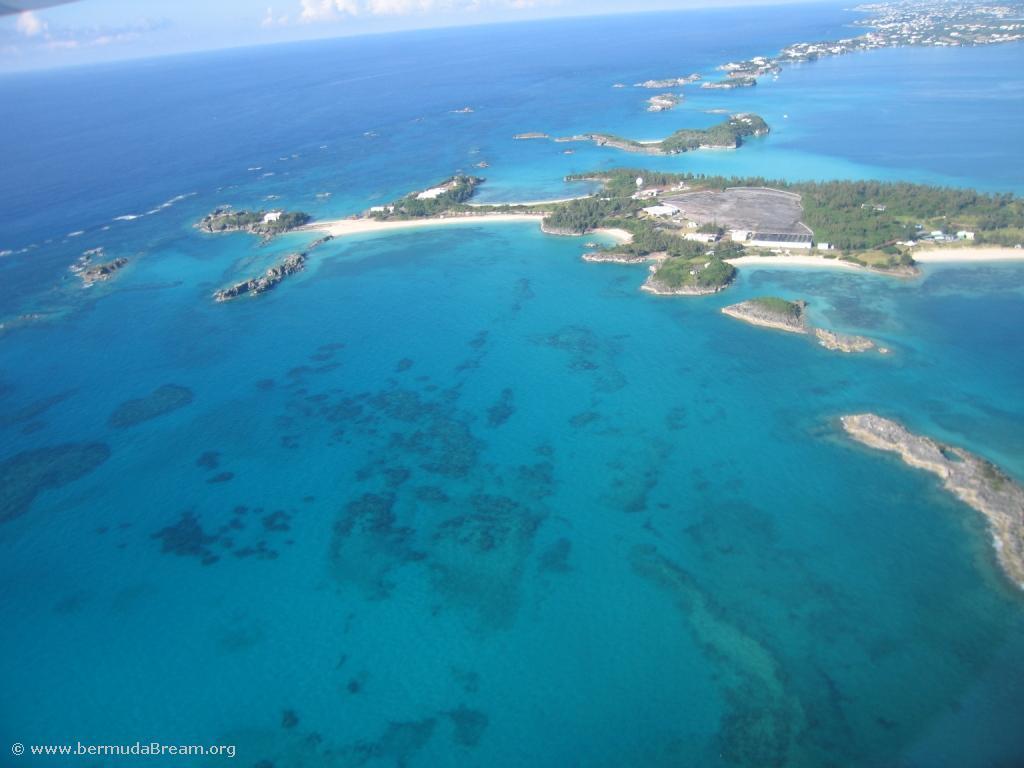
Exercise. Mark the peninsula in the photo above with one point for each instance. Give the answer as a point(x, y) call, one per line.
point(975, 481)
point(889, 25)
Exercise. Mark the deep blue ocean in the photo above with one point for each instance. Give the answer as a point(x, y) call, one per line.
point(453, 497)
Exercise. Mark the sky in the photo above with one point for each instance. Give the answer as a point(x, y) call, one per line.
point(94, 31)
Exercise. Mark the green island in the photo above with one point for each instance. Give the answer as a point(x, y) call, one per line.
point(264, 223)
point(447, 197)
point(728, 134)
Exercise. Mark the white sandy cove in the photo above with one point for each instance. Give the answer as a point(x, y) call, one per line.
point(931, 256)
point(793, 261)
point(969, 253)
point(343, 227)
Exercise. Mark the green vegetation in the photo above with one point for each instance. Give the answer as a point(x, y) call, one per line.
point(222, 220)
point(858, 217)
point(588, 213)
point(457, 190)
point(777, 306)
point(729, 133)
point(709, 273)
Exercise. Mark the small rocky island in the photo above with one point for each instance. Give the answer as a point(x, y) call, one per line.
point(771, 312)
point(263, 223)
point(663, 102)
point(291, 264)
point(680, 276)
point(90, 273)
point(975, 481)
point(783, 315)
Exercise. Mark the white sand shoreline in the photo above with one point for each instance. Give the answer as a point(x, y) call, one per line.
point(361, 226)
point(528, 202)
point(974, 253)
point(819, 262)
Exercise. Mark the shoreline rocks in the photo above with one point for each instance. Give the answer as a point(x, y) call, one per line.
point(975, 481)
point(96, 273)
point(842, 342)
point(790, 316)
point(292, 263)
point(658, 288)
point(757, 312)
point(613, 257)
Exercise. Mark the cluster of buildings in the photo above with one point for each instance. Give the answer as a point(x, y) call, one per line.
point(922, 23)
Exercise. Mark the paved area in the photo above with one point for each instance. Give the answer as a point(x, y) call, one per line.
point(750, 208)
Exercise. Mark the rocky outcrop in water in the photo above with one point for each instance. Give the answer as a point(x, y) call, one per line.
point(268, 280)
point(782, 315)
point(614, 257)
point(975, 481)
point(842, 342)
point(771, 312)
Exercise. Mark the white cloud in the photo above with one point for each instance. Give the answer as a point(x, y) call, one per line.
point(34, 32)
point(327, 10)
point(270, 20)
point(335, 10)
point(30, 25)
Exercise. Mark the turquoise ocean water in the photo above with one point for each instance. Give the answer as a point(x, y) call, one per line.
point(455, 497)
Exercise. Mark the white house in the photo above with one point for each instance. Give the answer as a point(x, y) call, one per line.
point(702, 237)
point(272, 216)
point(964, 235)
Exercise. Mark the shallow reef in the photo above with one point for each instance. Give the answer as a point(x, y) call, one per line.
point(164, 399)
point(27, 474)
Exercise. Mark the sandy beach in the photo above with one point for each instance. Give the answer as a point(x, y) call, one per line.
point(795, 261)
point(363, 226)
point(968, 254)
point(529, 202)
point(618, 235)
point(343, 227)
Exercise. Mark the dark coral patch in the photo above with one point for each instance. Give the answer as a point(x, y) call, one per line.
point(431, 494)
point(403, 365)
point(277, 520)
point(399, 743)
point(502, 410)
point(163, 400)
point(555, 558)
point(221, 477)
point(469, 724)
point(581, 420)
point(25, 475)
point(208, 460)
point(186, 538)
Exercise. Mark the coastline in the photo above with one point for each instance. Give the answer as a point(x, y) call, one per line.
point(362, 226)
point(819, 262)
point(975, 481)
point(973, 253)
